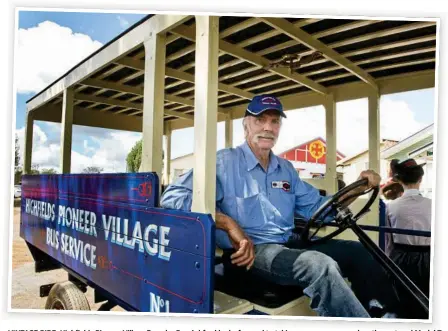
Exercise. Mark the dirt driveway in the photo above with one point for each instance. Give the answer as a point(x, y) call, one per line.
point(25, 283)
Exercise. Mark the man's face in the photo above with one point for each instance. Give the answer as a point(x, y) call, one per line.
point(263, 130)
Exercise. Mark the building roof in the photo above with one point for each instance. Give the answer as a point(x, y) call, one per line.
point(357, 55)
point(182, 157)
point(352, 157)
point(414, 143)
point(306, 143)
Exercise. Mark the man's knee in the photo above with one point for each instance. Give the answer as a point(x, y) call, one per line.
point(311, 265)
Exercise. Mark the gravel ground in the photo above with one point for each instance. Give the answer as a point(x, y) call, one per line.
point(25, 283)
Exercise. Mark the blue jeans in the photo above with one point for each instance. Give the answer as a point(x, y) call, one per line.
point(320, 270)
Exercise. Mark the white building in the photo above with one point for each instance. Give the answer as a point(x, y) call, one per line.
point(180, 165)
point(418, 146)
point(352, 166)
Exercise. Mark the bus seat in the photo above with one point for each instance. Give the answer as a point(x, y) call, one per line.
point(238, 282)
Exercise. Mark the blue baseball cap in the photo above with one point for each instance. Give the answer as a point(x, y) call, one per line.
point(261, 103)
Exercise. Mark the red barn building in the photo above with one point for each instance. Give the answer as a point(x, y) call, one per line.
point(309, 158)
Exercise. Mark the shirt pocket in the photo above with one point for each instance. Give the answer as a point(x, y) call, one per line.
point(286, 207)
point(250, 211)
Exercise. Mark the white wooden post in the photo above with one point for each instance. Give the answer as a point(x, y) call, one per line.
point(374, 152)
point(66, 130)
point(153, 103)
point(167, 163)
point(374, 131)
point(331, 155)
point(28, 150)
point(205, 114)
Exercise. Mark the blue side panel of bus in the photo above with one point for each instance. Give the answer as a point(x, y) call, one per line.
point(108, 229)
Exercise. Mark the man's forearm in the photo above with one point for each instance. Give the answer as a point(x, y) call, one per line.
point(224, 222)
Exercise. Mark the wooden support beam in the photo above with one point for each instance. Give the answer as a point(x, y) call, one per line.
point(28, 150)
point(91, 118)
point(138, 106)
point(331, 153)
point(154, 87)
point(112, 86)
point(179, 114)
point(206, 111)
point(374, 131)
point(167, 163)
point(374, 147)
point(66, 130)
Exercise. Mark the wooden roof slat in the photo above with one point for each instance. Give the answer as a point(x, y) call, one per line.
point(377, 59)
point(341, 28)
point(251, 41)
point(183, 76)
point(321, 70)
point(103, 75)
point(384, 67)
point(352, 53)
point(305, 38)
point(346, 42)
point(189, 49)
point(256, 60)
point(239, 26)
point(375, 48)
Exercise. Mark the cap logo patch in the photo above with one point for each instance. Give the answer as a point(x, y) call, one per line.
point(268, 101)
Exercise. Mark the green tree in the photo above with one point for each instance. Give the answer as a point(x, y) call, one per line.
point(18, 175)
point(134, 158)
point(92, 170)
point(17, 168)
point(35, 169)
point(48, 171)
point(17, 153)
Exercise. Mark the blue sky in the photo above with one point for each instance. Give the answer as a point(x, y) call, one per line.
point(403, 113)
point(101, 27)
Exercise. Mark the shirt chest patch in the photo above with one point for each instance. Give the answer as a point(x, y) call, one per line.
point(281, 184)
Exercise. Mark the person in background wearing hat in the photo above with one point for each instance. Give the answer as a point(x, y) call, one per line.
point(391, 190)
point(410, 211)
point(257, 195)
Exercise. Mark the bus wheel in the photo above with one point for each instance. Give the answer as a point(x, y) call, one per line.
point(66, 296)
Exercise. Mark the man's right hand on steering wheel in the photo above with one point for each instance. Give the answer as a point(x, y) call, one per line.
point(373, 178)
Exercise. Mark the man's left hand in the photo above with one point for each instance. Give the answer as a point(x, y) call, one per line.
point(373, 178)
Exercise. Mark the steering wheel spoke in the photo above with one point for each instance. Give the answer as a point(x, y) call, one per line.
point(343, 216)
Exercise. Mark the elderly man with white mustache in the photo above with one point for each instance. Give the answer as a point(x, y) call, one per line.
point(257, 196)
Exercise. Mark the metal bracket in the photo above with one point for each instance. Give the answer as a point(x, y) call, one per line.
point(294, 61)
point(107, 306)
point(44, 290)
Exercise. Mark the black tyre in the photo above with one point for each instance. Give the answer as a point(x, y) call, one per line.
point(66, 296)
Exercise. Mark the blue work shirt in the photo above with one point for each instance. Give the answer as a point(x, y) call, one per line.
point(246, 193)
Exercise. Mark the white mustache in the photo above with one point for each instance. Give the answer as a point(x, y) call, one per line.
point(267, 136)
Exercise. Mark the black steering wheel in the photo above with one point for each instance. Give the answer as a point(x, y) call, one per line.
point(343, 216)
